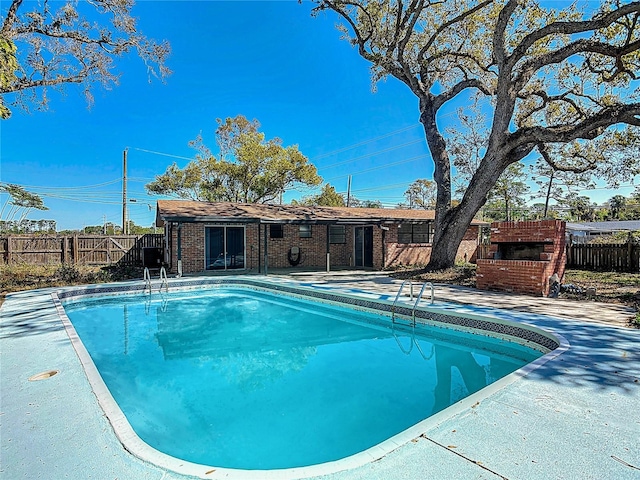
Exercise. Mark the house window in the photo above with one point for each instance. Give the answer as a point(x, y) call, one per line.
point(305, 231)
point(275, 231)
point(337, 234)
point(415, 233)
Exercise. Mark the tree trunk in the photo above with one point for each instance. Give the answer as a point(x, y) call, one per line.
point(448, 237)
point(445, 247)
point(546, 200)
point(506, 208)
point(452, 226)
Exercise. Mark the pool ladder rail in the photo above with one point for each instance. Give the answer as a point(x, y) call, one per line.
point(164, 282)
point(418, 298)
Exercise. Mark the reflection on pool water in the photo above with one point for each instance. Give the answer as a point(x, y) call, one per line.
point(242, 378)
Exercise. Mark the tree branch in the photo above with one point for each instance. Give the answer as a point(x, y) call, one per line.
point(444, 97)
point(23, 84)
point(546, 99)
point(579, 46)
point(588, 129)
point(544, 151)
point(446, 25)
point(570, 28)
point(501, 27)
point(11, 18)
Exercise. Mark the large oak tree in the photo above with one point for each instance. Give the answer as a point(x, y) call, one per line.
point(548, 78)
point(49, 44)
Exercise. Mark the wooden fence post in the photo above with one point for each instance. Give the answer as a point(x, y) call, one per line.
point(75, 249)
point(9, 259)
point(630, 252)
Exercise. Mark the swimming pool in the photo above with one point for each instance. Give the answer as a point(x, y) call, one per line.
point(226, 377)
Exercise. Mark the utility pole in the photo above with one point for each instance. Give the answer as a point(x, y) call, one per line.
point(124, 192)
point(349, 190)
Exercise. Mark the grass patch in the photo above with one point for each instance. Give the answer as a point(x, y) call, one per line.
point(613, 287)
point(15, 278)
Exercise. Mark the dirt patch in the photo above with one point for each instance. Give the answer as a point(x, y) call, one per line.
point(464, 275)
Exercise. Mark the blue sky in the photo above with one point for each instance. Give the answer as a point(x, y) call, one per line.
point(266, 60)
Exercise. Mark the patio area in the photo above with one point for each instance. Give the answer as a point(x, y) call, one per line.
point(575, 416)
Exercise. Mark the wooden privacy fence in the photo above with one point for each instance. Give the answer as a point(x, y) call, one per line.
point(590, 256)
point(76, 249)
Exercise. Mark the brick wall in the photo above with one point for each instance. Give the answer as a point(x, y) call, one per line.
point(313, 250)
point(420, 253)
point(524, 276)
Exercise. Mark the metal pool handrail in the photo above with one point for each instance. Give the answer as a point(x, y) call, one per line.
point(147, 279)
point(418, 298)
point(164, 281)
point(393, 307)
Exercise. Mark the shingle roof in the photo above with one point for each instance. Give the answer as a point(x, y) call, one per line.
point(609, 226)
point(193, 211)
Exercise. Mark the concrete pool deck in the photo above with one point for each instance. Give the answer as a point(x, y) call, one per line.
point(576, 416)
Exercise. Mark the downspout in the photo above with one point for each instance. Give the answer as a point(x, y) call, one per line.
point(259, 250)
point(179, 249)
point(384, 244)
point(328, 250)
point(266, 251)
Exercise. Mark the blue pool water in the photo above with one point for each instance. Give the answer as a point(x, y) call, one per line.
point(240, 378)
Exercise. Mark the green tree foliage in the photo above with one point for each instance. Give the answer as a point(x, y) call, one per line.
point(508, 193)
point(26, 226)
point(556, 184)
point(8, 68)
point(19, 202)
point(248, 168)
point(545, 77)
point(421, 194)
point(623, 208)
point(328, 197)
point(110, 228)
point(50, 44)
point(581, 209)
point(617, 206)
point(541, 211)
point(357, 203)
point(467, 145)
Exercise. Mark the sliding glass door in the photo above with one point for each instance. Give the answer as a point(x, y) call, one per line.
point(363, 248)
point(224, 248)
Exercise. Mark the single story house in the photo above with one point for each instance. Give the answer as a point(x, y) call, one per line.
point(202, 236)
point(585, 231)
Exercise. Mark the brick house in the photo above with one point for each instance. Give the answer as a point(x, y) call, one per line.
point(201, 236)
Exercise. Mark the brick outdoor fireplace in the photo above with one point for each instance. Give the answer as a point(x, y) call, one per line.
point(522, 257)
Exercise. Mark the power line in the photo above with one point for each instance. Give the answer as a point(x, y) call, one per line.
point(379, 167)
point(373, 154)
point(34, 187)
point(161, 153)
point(364, 142)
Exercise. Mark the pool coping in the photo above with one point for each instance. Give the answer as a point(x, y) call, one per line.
point(432, 315)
